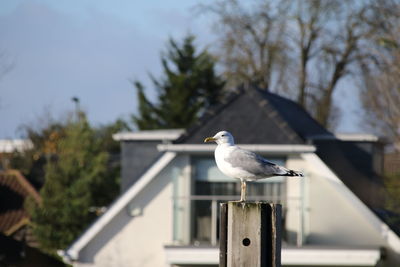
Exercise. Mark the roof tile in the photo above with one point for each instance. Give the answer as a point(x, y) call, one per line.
point(14, 189)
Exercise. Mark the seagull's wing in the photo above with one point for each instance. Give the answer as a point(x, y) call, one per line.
point(253, 163)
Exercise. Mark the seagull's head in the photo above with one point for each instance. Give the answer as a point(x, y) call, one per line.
point(220, 138)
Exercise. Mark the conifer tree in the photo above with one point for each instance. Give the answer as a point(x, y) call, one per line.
point(189, 86)
point(75, 177)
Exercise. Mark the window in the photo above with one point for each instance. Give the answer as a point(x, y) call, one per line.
point(211, 187)
point(208, 180)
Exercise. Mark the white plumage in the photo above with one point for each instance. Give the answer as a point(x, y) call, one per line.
point(243, 164)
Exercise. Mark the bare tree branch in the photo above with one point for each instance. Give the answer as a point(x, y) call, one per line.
point(290, 46)
point(381, 72)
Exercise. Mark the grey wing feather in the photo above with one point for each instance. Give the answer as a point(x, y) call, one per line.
point(253, 163)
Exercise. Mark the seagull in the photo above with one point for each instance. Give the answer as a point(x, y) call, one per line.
point(243, 164)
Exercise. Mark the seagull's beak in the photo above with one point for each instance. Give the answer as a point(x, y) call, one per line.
point(209, 139)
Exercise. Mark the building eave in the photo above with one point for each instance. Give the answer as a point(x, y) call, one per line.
point(351, 137)
point(12, 145)
point(300, 256)
point(331, 256)
point(270, 149)
point(149, 135)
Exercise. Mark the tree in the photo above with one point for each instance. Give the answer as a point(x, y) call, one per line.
point(252, 41)
point(380, 90)
point(392, 184)
point(301, 49)
point(109, 189)
point(189, 86)
point(32, 159)
point(77, 169)
point(6, 64)
point(44, 136)
point(75, 177)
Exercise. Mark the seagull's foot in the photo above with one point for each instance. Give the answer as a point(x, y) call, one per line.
point(238, 201)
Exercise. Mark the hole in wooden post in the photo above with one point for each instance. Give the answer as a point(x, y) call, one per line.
point(246, 242)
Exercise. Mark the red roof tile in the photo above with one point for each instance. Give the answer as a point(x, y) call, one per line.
point(14, 189)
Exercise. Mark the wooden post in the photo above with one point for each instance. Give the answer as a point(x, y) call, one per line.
point(250, 234)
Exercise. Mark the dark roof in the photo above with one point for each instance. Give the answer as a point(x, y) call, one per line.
point(354, 165)
point(14, 189)
point(296, 116)
point(256, 117)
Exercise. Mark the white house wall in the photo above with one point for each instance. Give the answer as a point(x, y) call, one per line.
point(295, 201)
point(137, 240)
point(333, 219)
point(182, 213)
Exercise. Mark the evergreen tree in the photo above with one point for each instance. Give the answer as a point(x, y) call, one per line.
point(32, 159)
point(45, 139)
point(76, 182)
point(189, 86)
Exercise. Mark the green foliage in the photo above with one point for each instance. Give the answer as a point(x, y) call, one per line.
point(68, 193)
point(105, 133)
point(108, 189)
point(189, 86)
point(392, 184)
point(44, 145)
point(81, 171)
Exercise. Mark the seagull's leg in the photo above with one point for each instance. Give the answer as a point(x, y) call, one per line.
point(243, 192)
point(244, 185)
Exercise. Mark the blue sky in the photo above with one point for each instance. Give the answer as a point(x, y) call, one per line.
point(90, 49)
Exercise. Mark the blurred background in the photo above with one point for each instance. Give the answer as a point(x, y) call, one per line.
point(85, 84)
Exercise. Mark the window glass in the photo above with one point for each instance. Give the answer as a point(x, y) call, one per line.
point(212, 187)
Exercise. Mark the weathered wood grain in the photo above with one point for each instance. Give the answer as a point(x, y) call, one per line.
point(250, 234)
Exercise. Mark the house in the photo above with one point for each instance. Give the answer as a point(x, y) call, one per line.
point(8, 147)
point(167, 214)
point(18, 246)
point(392, 163)
point(14, 219)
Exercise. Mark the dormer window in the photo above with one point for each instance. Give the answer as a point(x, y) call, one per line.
point(209, 187)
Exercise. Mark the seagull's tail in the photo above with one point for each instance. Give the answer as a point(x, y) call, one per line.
point(293, 173)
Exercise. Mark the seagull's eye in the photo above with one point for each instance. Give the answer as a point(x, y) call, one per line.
point(223, 135)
